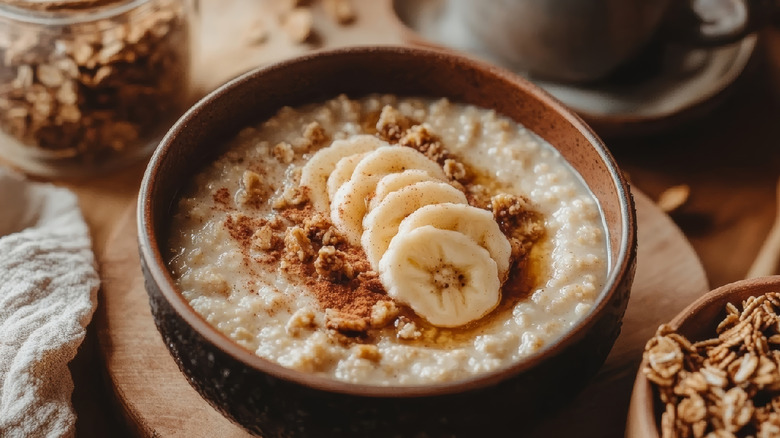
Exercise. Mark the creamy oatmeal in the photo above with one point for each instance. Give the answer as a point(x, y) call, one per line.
point(389, 241)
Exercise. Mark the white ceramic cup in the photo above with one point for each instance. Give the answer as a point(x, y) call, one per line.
point(584, 40)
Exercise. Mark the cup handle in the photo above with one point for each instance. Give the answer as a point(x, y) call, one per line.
point(711, 23)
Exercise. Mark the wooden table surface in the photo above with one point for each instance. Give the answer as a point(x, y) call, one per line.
point(730, 158)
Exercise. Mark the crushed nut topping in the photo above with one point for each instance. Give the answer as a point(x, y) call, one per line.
point(522, 225)
point(303, 319)
point(454, 170)
point(265, 238)
point(319, 228)
point(344, 322)
point(297, 245)
point(251, 190)
point(283, 152)
point(420, 137)
point(332, 265)
point(290, 197)
point(727, 386)
point(315, 136)
point(392, 125)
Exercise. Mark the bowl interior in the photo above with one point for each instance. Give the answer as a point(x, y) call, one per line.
point(196, 138)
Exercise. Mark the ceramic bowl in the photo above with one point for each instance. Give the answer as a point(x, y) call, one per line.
point(696, 322)
point(268, 399)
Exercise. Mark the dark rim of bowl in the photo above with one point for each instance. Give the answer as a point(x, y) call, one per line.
point(150, 250)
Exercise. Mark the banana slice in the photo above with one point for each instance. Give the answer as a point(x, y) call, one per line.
point(315, 172)
point(474, 222)
point(381, 224)
point(343, 172)
point(348, 205)
point(395, 181)
point(443, 275)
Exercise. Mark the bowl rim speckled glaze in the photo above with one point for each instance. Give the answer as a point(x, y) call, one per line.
point(622, 258)
point(642, 421)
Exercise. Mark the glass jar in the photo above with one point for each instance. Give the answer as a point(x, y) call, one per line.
point(89, 85)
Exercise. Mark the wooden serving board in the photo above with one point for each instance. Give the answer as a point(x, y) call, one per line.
point(157, 400)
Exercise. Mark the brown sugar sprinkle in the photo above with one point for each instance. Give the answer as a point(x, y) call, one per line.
point(727, 386)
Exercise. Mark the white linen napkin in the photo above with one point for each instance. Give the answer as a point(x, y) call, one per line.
point(48, 292)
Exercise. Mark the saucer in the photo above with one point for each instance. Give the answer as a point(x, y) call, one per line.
point(665, 86)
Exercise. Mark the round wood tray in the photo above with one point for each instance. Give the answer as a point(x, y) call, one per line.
point(157, 401)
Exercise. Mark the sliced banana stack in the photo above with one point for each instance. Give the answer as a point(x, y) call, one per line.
point(380, 226)
point(350, 202)
point(434, 252)
point(321, 165)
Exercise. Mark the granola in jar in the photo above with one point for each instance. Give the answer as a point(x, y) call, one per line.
point(89, 85)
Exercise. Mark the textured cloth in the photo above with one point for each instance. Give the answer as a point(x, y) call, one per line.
point(48, 292)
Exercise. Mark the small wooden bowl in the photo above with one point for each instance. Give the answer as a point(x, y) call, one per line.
point(271, 400)
point(697, 322)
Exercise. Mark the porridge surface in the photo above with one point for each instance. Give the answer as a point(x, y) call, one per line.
point(222, 250)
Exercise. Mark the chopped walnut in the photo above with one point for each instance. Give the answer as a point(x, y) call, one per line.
point(283, 152)
point(264, 238)
point(392, 125)
point(344, 322)
point(291, 197)
point(478, 196)
point(302, 319)
point(420, 137)
point(382, 313)
point(315, 135)
point(297, 245)
point(518, 221)
point(332, 265)
point(454, 170)
point(319, 228)
point(251, 189)
point(406, 329)
point(333, 237)
point(368, 352)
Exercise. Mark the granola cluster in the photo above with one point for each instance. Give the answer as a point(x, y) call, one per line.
point(727, 386)
point(91, 89)
point(519, 221)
